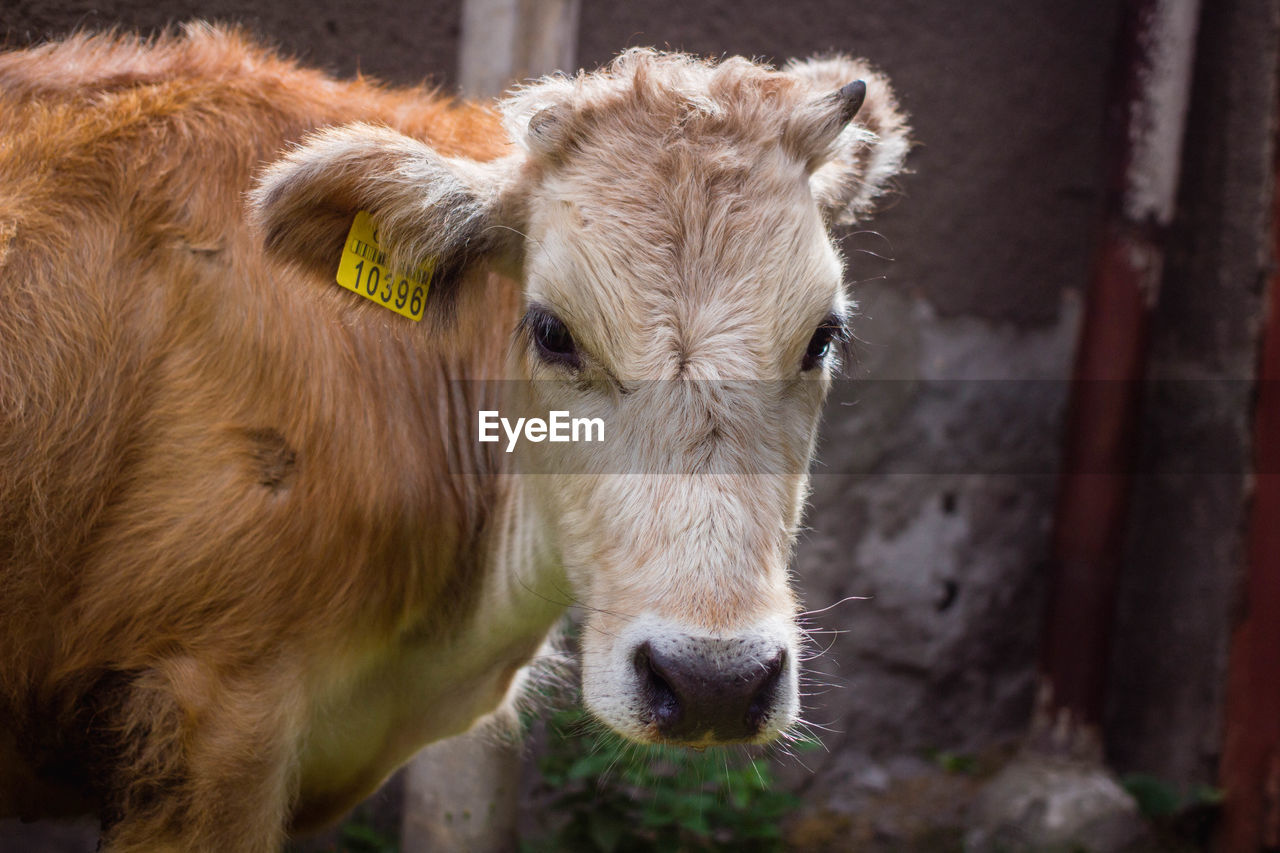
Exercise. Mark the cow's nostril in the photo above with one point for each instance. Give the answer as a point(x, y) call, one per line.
point(661, 698)
point(763, 700)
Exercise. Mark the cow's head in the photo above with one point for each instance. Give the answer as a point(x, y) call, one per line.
point(669, 221)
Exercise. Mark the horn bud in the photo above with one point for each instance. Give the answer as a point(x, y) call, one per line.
point(851, 97)
point(548, 130)
point(816, 125)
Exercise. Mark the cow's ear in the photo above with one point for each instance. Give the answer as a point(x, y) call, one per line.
point(428, 208)
point(850, 133)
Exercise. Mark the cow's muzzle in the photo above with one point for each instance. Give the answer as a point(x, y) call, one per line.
point(711, 690)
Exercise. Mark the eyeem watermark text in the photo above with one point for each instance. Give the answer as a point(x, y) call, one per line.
point(558, 427)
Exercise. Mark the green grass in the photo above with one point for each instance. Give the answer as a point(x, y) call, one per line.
point(605, 795)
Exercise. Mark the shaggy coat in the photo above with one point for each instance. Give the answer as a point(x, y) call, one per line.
point(251, 556)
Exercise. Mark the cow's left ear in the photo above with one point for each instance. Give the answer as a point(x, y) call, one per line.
point(428, 208)
point(849, 132)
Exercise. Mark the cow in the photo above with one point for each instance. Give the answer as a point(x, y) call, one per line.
point(253, 553)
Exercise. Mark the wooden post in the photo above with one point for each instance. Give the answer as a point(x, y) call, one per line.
point(504, 41)
point(462, 794)
point(1146, 118)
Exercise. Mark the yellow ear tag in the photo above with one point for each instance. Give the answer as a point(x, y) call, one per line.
point(363, 270)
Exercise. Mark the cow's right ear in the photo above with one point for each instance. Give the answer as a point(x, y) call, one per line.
point(428, 208)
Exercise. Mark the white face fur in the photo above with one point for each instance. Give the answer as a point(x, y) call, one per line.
point(700, 342)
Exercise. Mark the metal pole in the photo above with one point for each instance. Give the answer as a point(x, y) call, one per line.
point(1250, 770)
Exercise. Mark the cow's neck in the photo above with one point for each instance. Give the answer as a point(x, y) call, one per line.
point(521, 588)
point(525, 589)
point(433, 684)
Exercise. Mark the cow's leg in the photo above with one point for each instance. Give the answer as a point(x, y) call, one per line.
point(200, 764)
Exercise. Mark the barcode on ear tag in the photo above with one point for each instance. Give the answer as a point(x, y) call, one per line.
point(363, 269)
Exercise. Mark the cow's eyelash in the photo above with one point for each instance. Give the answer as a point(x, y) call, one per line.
point(550, 337)
point(832, 333)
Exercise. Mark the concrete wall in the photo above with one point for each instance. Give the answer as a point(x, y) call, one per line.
point(936, 484)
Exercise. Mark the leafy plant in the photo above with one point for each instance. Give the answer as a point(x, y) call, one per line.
point(360, 836)
point(955, 763)
point(609, 796)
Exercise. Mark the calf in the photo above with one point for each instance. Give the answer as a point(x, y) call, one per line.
point(253, 553)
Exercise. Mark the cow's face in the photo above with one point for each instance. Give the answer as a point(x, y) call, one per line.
point(696, 319)
point(680, 286)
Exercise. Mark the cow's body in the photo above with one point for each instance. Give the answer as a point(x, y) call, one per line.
point(251, 557)
point(213, 473)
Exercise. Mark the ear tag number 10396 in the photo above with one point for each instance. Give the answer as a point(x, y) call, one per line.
point(363, 269)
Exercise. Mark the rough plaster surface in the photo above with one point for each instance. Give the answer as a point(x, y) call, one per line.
point(1006, 99)
point(946, 449)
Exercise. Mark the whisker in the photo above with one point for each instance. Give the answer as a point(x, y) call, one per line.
point(831, 606)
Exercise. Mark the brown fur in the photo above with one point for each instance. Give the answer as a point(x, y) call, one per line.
point(198, 505)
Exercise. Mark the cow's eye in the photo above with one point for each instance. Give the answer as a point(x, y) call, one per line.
point(820, 343)
point(551, 337)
